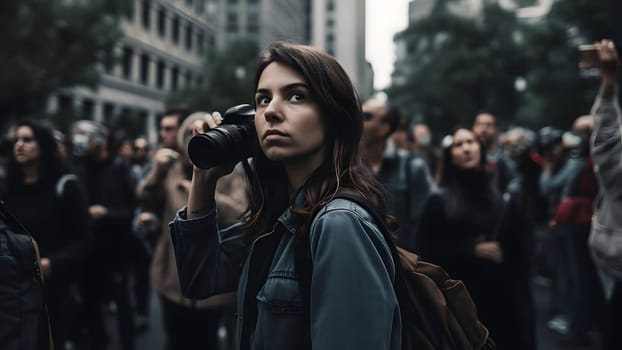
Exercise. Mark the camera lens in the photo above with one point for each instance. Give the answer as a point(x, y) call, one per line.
point(226, 143)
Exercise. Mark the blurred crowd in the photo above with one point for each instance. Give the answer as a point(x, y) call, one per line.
point(496, 208)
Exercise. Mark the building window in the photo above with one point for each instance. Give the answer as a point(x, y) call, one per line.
point(129, 13)
point(88, 109)
point(330, 44)
point(232, 22)
point(330, 5)
point(108, 112)
point(144, 69)
point(174, 79)
point(200, 42)
point(162, 22)
point(189, 37)
point(188, 78)
point(200, 6)
point(189, 3)
point(176, 29)
point(146, 14)
point(160, 69)
point(126, 61)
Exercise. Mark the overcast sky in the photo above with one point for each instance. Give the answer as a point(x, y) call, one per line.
point(384, 18)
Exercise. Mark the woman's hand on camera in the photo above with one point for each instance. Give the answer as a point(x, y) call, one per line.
point(211, 121)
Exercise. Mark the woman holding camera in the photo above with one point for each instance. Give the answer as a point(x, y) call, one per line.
point(309, 123)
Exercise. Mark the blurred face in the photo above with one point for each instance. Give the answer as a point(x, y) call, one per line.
point(422, 135)
point(140, 149)
point(26, 147)
point(168, 131)
point(485, 128)
point(288, 120)
point(374, 129)
point(465, 150)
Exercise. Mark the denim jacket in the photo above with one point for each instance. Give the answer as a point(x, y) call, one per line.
point(353, 303)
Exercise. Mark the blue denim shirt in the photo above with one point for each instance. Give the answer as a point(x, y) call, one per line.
point(353, 303)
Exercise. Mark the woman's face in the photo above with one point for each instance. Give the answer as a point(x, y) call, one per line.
point(26, 147)
point(288, 121)
point(465, 150)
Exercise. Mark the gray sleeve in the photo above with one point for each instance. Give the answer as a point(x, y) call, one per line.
point(607, 141)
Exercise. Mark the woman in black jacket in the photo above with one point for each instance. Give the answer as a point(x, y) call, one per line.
point(51, 204)
point(473, 232)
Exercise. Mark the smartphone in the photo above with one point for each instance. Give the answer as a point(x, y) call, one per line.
point(588, 57)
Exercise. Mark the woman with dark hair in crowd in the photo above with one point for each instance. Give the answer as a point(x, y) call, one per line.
point(473, 232)
point(51, 204)
point(309, 124)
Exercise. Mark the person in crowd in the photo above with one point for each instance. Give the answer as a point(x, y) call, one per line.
point(141, 157)
point(111, 205)
point(404, 176)
point(309, 123)
point(568, 181)
point(51, 204)
point(485, 127)
point(423, 147)
point(189, 324)
point(476, 235)
point(399, 142)
point(606, 232)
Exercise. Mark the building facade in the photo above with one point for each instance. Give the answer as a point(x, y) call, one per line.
point(161, 51)
point(339, 28)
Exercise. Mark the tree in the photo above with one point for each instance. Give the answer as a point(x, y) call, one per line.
point(458, 66)
point(557, 93)
point(52, 44)
point(230, 77)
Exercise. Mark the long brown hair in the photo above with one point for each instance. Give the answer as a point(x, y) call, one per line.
point(342, 167)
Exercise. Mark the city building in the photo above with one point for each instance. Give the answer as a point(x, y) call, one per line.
point(339, 28)
point(161, 51)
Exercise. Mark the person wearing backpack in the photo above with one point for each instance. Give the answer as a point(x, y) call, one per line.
point(308, 126)
point(605, 239)
point(52, 206)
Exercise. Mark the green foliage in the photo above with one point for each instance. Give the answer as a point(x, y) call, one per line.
point(557, 92)
point(230, 76)
point(458, 66)
point(51, 44)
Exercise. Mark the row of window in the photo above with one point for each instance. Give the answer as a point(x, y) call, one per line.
point(173, 25)
point(161, 70)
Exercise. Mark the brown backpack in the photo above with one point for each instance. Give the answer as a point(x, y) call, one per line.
point(437, 311)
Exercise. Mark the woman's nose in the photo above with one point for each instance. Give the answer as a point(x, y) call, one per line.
point(272, 109)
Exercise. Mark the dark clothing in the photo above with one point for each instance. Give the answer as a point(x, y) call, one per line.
point(109, 184)
point(59, 223)
point(468, 211)
point(408, 184)
point(190, 328)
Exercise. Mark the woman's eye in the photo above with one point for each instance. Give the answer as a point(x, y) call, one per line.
point(297, 97)
point(262, 100)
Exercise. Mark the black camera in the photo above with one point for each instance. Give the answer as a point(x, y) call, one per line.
point(233, 140)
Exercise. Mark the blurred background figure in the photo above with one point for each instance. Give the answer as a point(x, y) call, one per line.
point(605, 239)
point(422, 145)
point(485, 127)
point(50, 203)
point(189, 324)
point(404, 175)
point(477, 236)
point(111, 205)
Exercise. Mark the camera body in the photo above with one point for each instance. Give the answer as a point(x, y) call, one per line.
point(233, 140)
